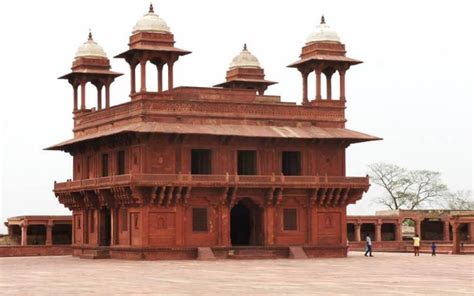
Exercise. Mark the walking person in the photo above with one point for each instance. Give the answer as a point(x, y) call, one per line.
point(416, 245)
point(433, 249)
point(368, 241)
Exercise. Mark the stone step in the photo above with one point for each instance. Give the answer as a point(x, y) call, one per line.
point(245, 254)
point(95, 254)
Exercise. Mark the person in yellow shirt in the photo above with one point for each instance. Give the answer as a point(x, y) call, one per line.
point(416, 244)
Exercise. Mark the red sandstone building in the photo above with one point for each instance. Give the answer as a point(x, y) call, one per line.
point(227, 168)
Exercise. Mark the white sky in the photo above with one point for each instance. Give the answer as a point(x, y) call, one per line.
point(414, 88)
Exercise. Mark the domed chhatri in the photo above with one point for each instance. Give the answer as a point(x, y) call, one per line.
point(245, 72)
point(323, 33)
point(151, 22)
point(90, 48)
point(245, 60)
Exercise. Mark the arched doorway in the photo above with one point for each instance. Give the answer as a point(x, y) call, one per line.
point(246, 225)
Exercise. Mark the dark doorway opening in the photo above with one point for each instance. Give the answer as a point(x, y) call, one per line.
point(291, 163)
point(62, 234)
point(247, 162)
point(350, 232)
point(367, 228)
point(432, 229)
point(246, 227)
point(201, 162)
point(389, 231)
point(36, 234)
point(105, 227)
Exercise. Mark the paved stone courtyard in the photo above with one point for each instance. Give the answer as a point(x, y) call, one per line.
point(384, 274)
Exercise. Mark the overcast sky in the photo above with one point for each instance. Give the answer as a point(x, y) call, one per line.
point(414, 89)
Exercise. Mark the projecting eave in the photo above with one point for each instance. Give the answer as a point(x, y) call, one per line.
point(170, 49)
point(322, 57)
point(249, 131)
point(257, 81)
point(93, 72)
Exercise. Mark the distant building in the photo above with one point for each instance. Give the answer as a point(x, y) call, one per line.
point(227, 168)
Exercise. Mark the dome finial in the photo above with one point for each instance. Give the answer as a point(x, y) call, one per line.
point(150, 10)
point(245, 46)
point(90, 35)
point(323, 20)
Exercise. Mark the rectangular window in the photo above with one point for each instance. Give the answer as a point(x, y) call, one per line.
point(201, 161)
point(290, 219)
point(124, 219)
point(121, 162)
point(105, 165)
point(291, 163)
point(199, 219)
point(247, 162)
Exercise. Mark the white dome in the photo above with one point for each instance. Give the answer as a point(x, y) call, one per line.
point(323, 33)
point(151, 22)
point(90, 48)
point(245, 60)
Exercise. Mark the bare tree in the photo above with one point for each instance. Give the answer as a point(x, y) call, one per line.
point(459, 200)
point(406, 189)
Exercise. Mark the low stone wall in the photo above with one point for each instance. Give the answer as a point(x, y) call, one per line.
point(407, 246)
point(13, 251)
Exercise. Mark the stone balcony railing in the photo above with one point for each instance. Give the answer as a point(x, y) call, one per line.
point(258, 181)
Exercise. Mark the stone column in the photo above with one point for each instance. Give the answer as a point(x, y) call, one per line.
point(418, 228)
point(357, 232)
point(132, 79)
point(328, 85)
point(143, 75)
point(49, 233)
point(159, 68)
point(318, 84)
point(83, 95)
point(170, 76)
point(456, 239)
point(446, 231)
point(342, 84)
point(378, 231)
point(107, 94)
point(99, 96)
point(24, 233)
point(305, 88)
point(75, 88)
point(471, 232)
point(398, 232)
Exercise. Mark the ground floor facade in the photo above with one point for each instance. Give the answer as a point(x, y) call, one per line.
point(39, 230)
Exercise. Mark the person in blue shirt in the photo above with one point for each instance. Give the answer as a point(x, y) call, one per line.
point(433, 249)
point(368, 241)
